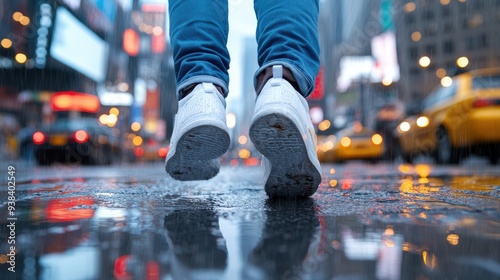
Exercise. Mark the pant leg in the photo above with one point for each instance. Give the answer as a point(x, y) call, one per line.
point(198, 35)
point(287, 34)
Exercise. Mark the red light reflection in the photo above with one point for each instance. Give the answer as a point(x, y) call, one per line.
point(64, 209)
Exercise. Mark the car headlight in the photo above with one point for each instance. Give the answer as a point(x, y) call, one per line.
point(422, 121)
point(404, 126)
point(377, 139)
point(345, 142)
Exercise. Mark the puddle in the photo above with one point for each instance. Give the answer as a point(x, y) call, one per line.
point(412, 224)
point(199, 238)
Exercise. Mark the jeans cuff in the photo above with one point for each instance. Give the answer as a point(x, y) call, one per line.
point(305, 85)
point(201, 79)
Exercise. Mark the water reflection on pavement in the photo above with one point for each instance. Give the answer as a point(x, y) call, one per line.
point(415, 223)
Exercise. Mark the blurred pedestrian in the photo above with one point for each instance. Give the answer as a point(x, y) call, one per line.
point(281, 129)
point(26, 146)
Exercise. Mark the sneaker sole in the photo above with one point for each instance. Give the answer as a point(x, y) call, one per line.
point(196, 153)
point(280, 141)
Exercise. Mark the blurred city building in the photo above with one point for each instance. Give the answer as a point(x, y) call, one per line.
point(101, 47)
point(438, 39)
point(49, 46)
point(416, 43)
point(360, 68)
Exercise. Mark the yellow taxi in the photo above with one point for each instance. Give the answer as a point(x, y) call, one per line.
point(352, 143)
point(461, 116)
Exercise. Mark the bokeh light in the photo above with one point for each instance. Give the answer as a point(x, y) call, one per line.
point(462, 62)
point(424, 61)
point(446, 81)
point(416, 36)
point(6, 43)
point(135, 126)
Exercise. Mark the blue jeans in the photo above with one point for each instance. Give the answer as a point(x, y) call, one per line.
point(286, 34)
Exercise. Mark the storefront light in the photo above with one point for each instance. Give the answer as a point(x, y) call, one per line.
point(24, 20)
point(17, 16)
point(6, 43)
point(21, 58)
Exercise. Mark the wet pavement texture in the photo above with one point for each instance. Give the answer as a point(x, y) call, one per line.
point(384, 221)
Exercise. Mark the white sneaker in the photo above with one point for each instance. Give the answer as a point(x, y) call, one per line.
point(283, 132)
point(200, 135)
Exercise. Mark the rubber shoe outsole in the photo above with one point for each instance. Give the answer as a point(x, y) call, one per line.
point(197, 153)
point(292, 173)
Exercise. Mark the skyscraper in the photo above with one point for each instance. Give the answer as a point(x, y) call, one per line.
point(440, 38)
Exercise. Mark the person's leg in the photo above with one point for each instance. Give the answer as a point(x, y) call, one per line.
point(281, 129)
point(287, 34)
point(198, 34)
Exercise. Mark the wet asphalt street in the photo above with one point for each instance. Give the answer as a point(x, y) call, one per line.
point(384, 221)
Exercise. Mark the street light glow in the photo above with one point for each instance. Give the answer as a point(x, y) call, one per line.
point(24, 20)
point(446, 81)
point(462, 62)
point(424, 61)
point(21, 58)
point(231, 120)
point(416, 36)
point(17, 16)
point(6, 43)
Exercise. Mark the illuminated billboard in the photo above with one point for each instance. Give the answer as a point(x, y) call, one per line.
point(386, 58)
point(76, 46)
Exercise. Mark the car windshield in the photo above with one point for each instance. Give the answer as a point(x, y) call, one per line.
point(73, 123)
point(351, 134)
point(485, 82)
point(364, 134)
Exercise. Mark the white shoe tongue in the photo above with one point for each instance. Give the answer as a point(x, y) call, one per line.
point(208, 87)
point(277, 71)
point(277, 75)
